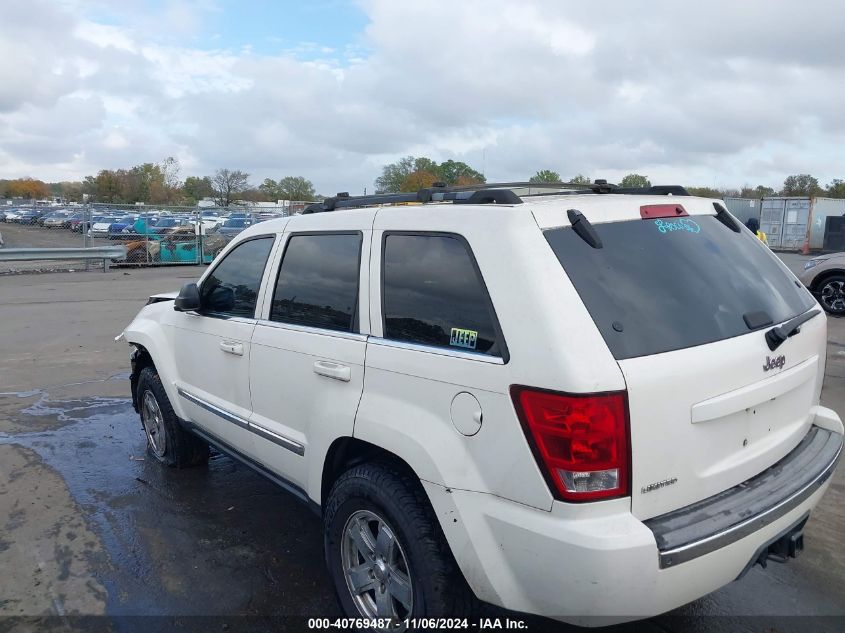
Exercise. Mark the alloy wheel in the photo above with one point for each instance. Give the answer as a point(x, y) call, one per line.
point(376, 568)
point(153, 421)
point(833, 295)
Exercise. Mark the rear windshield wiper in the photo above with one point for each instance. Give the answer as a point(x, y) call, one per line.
point(779, 334)
point(583, 228)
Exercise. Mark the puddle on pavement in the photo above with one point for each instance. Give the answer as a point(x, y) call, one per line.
point(201, 541)
point(41, 410)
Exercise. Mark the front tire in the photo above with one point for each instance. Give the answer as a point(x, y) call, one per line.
point(831, 295)
point(385, 551)
point(167, 441)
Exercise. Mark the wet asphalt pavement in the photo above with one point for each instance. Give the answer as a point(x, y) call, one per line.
point(91, 526)
point(204, 541)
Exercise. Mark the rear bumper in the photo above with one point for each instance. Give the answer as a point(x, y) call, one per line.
point(713, 523)
point(597, 564)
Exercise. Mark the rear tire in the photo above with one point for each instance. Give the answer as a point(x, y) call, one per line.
point(167, 441)
point(385, 551)
point(831, 293)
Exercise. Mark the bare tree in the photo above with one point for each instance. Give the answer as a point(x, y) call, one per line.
point(227, 184)
point(171, 170)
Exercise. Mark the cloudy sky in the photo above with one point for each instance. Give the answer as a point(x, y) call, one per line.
point(719, 93)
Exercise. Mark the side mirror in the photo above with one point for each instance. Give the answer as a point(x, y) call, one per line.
point(188, 299)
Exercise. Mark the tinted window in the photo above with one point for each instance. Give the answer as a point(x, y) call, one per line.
point(318, 281)
point(433, 295)
point(662, 285)
point(232, 287)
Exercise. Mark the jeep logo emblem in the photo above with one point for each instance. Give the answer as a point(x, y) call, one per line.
point(774, 363)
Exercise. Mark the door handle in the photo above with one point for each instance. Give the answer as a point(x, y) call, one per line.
point(231, 347)
point(333, 370)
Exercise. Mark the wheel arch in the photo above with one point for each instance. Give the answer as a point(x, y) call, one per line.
point(151, 349)
point(140, 359)
point(347, 452)
point(824, 276)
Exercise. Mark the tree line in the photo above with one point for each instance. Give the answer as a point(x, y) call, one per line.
point(161, 183)
point(413, 173)
point(796, 185)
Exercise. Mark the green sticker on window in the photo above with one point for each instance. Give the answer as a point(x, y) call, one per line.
point(463, 338)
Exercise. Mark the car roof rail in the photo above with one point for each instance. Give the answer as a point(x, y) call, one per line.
point(485, 193)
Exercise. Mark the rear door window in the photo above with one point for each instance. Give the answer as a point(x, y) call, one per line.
point(318, 281)
point(667, 284)
point(433, 294)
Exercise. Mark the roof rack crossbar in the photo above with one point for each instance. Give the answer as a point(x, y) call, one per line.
point(486, 193)
point(580, 186)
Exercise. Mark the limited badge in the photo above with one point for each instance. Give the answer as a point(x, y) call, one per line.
point(463, 338)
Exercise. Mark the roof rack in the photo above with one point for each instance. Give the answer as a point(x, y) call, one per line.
point(487, 193)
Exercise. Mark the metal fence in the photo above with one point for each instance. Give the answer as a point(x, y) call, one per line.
point(161, 235)
point(152, 234)
point(102, 253)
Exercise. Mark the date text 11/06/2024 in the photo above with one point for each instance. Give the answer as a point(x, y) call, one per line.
point(432, 624)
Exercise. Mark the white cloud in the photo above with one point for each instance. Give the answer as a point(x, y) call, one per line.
point(104, 36)
point(714, 93)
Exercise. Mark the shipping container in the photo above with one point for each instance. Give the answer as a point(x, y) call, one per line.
point(784, 221)
point(795, 221)
point(771, 219)
point(834, 234)
point(823, 208)
point(743, 209)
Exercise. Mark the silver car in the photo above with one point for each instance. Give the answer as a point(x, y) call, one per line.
point(824, 276)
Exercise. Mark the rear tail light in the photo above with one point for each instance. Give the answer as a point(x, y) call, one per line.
point(580, 441)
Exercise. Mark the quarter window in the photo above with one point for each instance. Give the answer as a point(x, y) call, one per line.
point(232, 287)
point(318, 281)
point(433, 294)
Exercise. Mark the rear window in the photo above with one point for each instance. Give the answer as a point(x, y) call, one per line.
point(667, 284)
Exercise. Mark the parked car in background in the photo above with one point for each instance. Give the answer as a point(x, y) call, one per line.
point(100, 227)
point(30, 216)
point(74, 222)
point(167, 224)
point(263, 217)
point(69, 219)
point(122, 228)
point(144, 225)
point(12, 215)
point(49, 215)
point(232, 226)
point(54, 220)
point(206, 222)
point(824, 276)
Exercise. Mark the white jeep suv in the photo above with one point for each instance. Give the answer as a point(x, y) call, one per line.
point(593, 404)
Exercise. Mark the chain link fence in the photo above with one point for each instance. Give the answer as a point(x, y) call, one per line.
point(153, 234)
